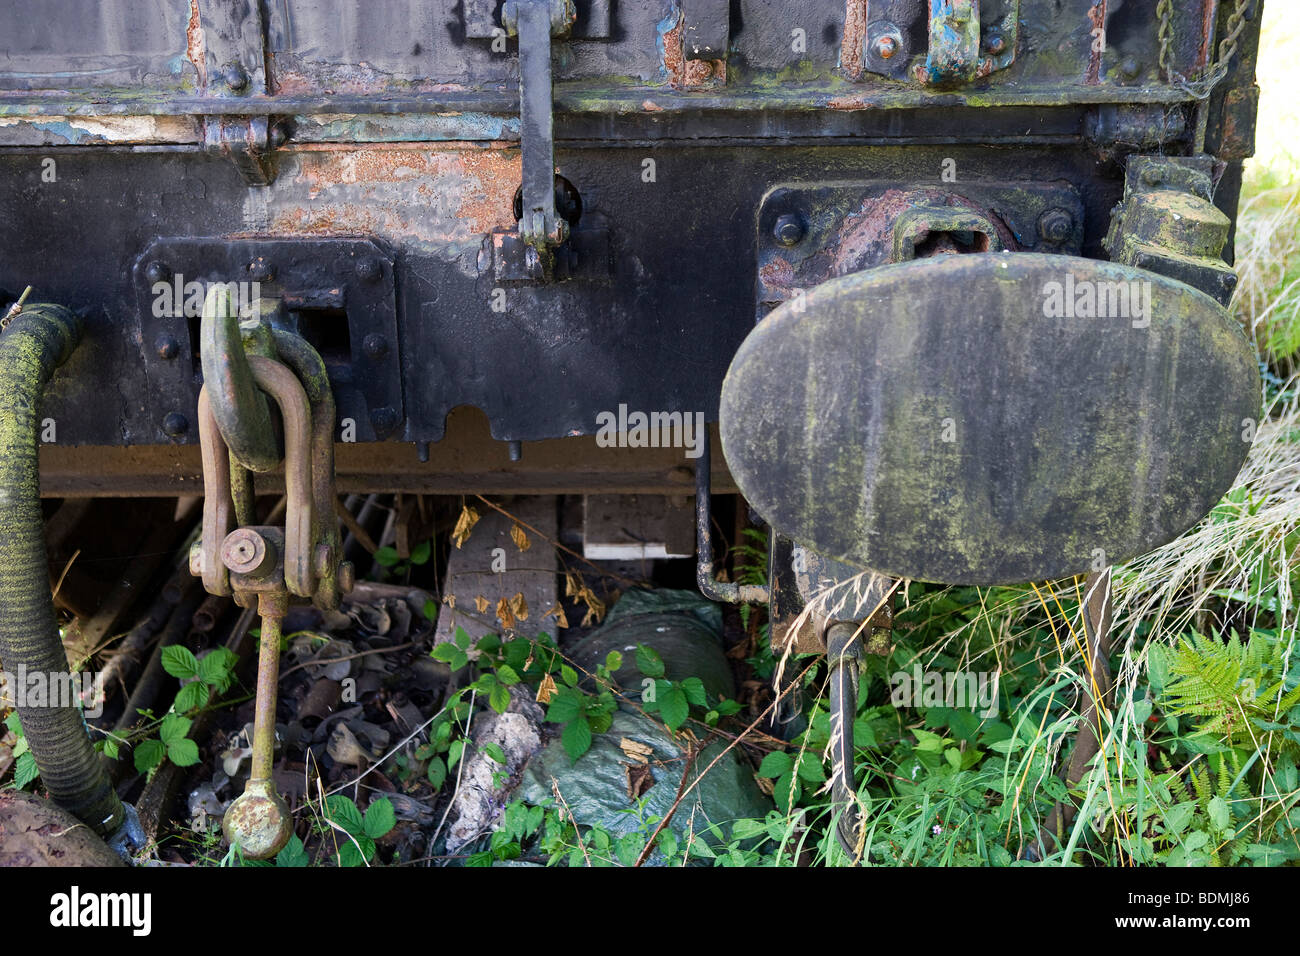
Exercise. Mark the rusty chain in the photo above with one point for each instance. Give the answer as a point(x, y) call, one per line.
point(1201, 87)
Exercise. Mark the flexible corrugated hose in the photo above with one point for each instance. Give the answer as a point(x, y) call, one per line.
point(38, 341)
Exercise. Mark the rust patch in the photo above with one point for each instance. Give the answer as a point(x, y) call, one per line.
point(855, 36)
point(454, 194)
point(196, 47)
point(1097, 14)
point(684, 73)
point(650, 106)
point(1208, 15)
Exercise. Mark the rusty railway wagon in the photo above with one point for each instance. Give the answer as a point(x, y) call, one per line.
point(950, 276)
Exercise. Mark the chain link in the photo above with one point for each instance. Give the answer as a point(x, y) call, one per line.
point(1201, 87)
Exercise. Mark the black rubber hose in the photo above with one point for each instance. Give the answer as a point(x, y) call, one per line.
point(37, 342)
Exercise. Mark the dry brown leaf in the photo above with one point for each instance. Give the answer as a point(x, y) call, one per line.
point(450, 600)
point(482, 604)
point(546, 689)
point(635, 750)
point(519, 607)
point(520, 539)
point(639, 780)
point(561, 619)
point(504, 614)
point(464, 525)
point(595, 607)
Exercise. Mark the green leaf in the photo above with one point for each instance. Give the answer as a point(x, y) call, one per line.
point(810, 769)
point(748, 829)
point(576, 737)
point(420, 553)
point(649, 662)
point(628, 847)
point(387, 557)
point(379, 818)
point(499, 698)
point(1220, 815)
point(293, 854)
point(728, 707)
point(673, 706)
point(349, 855)
point(568, 675)
point(613, 661)
point(25, 770)
point(111, 748)
point(694, 688)
point(507, 675)
point(564, 706)
point(344, 812)
point(453, 753)
point(495, 752)
point(437, 772)
point(180, 662)
point(776, 764)
point(149, 754)
point(192, 695)
point(216, 667)
point(183, 752)
point(14, 724)
point(174, 727)
point(461, 638)
point(431, 609)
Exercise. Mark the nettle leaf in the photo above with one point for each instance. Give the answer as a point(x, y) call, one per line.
point(387, 557)
point(380, 818)
point(576, 737)
point(673, 706)
point(180, 662)
point(495, 752)
point(776, 764)
point(148, 754)
point(694, 688)
point(344, 812)
point(25, 770)
point(649, 662)
point(183, 752)
point(174, 727)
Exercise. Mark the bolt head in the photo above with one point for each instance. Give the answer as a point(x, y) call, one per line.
point(157, 272)
point(886, 46)
point(370, 269)
point(1056, 226)
point(995, 43)
point(383, 420)
point(789, 230)
point(375, 346)
point(246, 552)
point(167, 346)
point(279, 134)
point(259, 270)
point(174, 424)
point(1130, 68)
point(235, 75)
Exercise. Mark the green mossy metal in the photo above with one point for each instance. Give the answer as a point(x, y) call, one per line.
point(929, 420)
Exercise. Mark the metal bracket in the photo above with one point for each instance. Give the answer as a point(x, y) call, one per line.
point(229, 51)
point(962, 40)
point(535, 22)
point(707, 33)
point(594, 20)
point(338, 294)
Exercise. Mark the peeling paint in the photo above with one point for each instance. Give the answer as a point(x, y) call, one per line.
point(96, 130)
